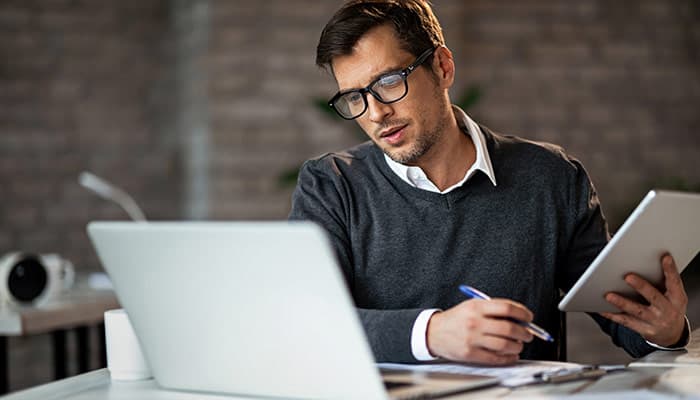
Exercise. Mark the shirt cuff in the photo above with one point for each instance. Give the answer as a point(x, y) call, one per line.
point(682, 343)
point(419, 336)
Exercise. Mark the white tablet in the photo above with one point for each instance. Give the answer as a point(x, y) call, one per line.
point(663, 222)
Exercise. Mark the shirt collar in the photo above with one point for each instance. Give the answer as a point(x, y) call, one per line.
point(482, 162)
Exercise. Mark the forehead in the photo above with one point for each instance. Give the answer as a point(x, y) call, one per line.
point(377, 52)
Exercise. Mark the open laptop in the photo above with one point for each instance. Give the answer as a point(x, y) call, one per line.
point(249, 308)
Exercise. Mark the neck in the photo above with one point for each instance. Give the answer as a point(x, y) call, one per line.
point(450, 158)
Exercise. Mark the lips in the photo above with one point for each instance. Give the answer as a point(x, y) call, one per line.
point(392, 135)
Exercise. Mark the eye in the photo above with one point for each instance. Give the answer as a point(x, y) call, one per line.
point(353, 98)
point(389, 81)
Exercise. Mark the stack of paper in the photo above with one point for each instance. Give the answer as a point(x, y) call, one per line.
point(522, 373)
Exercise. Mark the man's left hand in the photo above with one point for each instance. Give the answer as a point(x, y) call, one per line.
point(662, 322)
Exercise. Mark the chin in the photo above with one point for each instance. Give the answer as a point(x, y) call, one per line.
point(402, 157)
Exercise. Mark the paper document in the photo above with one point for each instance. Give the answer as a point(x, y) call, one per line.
point(522, 373)
point(631, 394)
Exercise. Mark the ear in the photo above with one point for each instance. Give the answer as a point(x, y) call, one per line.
point(444, 66)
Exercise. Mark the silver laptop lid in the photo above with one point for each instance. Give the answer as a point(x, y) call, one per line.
point(252, 308)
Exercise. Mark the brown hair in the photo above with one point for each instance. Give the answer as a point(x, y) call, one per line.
point(416, 27)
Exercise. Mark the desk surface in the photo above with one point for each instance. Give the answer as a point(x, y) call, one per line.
point(74, 308)
point(657, 382)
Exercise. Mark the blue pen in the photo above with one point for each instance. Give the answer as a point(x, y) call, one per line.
point(532, 328)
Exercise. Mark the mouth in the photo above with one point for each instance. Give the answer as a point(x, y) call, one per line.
point(392, 135)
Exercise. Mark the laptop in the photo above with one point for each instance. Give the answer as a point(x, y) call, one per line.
point(250, 308)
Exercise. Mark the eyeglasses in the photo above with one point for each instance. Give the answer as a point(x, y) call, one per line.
point(388, 88)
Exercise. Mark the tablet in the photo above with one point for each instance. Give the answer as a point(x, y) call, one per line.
point(663, 222)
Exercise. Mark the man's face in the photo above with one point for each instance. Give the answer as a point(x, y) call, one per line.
point(408, 129)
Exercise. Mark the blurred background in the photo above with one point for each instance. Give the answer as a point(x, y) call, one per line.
point(205, 109)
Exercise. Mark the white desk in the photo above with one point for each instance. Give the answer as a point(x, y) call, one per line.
point(683, 379)
point(96, 385)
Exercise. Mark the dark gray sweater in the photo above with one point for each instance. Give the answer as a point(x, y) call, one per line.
point(404, 249)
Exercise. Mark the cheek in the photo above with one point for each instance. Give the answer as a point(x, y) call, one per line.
point(420, 99)
point(417, 109)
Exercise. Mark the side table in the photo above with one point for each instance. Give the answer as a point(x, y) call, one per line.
point(75, 310)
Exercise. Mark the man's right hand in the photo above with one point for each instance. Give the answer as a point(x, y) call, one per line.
point(478, 331)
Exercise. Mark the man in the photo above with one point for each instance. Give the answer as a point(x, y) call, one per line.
point(435, 200)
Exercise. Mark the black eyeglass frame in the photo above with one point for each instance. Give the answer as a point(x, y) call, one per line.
point(404, 73)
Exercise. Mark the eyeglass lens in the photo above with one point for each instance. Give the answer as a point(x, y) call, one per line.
point(387, 89)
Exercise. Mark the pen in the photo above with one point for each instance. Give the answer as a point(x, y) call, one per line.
point(532, 328)
point(570, 375)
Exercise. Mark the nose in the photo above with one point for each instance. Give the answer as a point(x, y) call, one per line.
point(377, 110)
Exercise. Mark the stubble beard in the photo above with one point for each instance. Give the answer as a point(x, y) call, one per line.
point(422, 144)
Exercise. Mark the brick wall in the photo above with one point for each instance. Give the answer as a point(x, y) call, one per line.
point(262, 83)
point(118, 88)
point(84, 85)
point(617, 83)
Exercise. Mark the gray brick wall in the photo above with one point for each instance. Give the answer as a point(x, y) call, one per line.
point(616, 83)
point(101, 85)
point(262, 85)
point(83, 86)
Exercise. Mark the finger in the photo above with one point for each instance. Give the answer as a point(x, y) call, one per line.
point(629, 307)
point(630, 322)
point(674, 284)
point(503, 308)
point(500, 344)
point(506, 329)
point(652, 295)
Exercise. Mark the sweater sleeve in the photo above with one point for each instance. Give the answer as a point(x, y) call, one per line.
point(322, 196)
point(588, 237)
